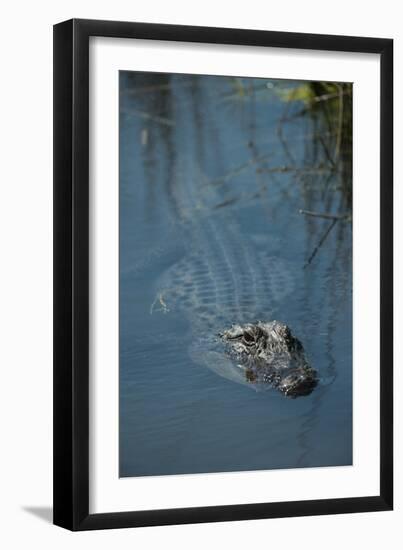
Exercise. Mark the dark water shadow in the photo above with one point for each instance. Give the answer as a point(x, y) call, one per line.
point(45, 513)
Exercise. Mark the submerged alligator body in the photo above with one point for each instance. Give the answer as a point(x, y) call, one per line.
point(224, 284)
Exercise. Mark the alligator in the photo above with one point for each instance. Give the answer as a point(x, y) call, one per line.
point(224, 284)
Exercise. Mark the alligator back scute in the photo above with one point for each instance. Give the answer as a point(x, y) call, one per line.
point(212, 296)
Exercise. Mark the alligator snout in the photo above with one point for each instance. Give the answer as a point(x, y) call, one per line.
point(298, 383)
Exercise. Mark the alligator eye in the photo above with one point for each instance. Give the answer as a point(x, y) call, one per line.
point(248, 338)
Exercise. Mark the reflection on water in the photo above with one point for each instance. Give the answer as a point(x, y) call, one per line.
point(255, 176)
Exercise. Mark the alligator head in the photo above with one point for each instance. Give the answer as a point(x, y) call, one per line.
point(269, 354)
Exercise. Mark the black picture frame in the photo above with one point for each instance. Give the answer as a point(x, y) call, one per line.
point(71, 274)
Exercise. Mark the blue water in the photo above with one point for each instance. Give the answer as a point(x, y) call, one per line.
point(262, 165)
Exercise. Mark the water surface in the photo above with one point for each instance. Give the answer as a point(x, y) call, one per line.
point(256, 159)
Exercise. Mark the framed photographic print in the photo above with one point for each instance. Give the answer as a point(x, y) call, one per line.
point(223, 324)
